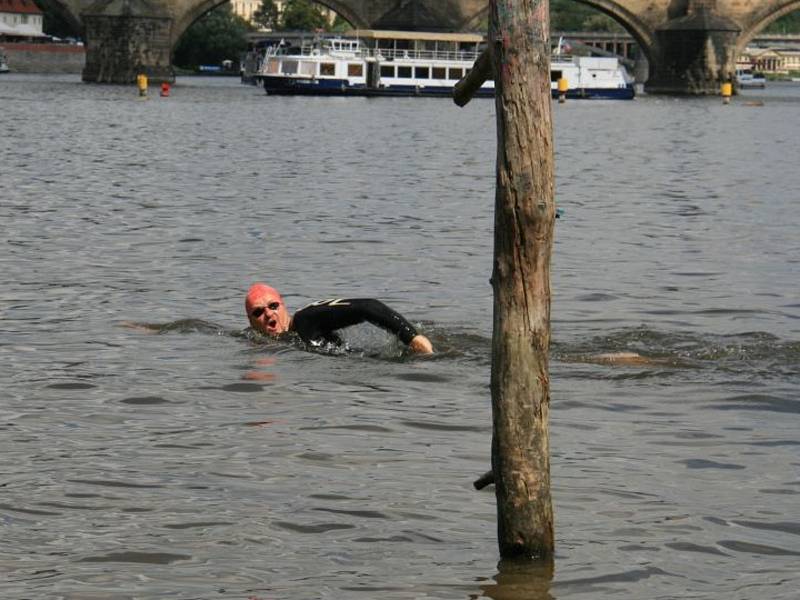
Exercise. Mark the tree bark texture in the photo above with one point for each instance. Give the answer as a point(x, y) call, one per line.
point(524, 221)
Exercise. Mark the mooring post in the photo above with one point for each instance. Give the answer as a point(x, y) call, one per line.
point(523, 239)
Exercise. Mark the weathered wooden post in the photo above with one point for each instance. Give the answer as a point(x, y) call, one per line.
point(519, 53)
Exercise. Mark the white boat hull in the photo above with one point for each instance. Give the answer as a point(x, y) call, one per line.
point(346, 67)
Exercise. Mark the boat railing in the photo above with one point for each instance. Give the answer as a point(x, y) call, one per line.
point(316, 49)
point(411, 54)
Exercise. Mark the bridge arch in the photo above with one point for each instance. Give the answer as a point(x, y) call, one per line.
point(641, 32)
point(67, 10)
point(764, 17)
point(628, 20)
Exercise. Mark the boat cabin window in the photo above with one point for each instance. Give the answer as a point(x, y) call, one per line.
point(556, 75)
point(426, 47)
point(355, 70)
point(289, 67)
point(404, 72)
point(387, 70)
point(446, 48)
point(327, 69)
point(344, 45)
point(439, 73)
point(422, 72)
point(273, 66)
point(455, 73)
point(468, 47)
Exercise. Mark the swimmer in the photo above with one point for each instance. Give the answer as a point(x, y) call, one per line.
point(319, 321)
point(625, 359)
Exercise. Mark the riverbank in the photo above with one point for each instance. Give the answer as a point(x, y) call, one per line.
point(26, 57)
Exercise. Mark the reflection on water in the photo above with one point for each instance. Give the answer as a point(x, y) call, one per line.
point(154, 447)
point(520, 581)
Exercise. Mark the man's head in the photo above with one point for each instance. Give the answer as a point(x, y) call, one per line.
point(266, 311)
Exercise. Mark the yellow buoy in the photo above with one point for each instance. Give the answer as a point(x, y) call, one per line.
point(563, 87)
point(727, 92)
point(141, 83)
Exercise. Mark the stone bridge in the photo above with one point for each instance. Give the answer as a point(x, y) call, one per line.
point(691, 45)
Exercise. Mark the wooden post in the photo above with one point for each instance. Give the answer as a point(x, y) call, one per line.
point(519, 32)
point(523, 239)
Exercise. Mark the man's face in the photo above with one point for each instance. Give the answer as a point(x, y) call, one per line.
point(266, 311)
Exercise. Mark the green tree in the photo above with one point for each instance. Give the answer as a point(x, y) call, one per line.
point(216, 36)
point(786, 24)
point(601, 22)
point(568, 15)
point(302, 15)
point(340, 25)
point(267, 15)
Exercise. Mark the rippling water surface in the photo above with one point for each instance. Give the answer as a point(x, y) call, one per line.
point(152, 449)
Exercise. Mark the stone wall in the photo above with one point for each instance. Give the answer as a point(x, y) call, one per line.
point(44, 58)
point(121, 47)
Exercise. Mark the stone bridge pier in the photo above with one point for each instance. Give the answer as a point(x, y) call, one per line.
point(691, 46)
point(126, 37)
point(693, 54)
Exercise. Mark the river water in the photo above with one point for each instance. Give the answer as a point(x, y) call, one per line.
point(151, 448)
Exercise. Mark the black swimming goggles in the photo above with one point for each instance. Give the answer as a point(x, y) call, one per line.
point(259, 310)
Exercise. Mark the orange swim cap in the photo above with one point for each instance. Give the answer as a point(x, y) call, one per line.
point(260, 293)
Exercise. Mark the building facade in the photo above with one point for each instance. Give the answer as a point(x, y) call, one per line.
point(774, 61)
point(246, 8)
point(20, 20)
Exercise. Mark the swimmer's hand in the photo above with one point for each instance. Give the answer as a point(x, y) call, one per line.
point(419, 344)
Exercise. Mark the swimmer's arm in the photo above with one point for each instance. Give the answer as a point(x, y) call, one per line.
point(377, 313)
point(329, 315)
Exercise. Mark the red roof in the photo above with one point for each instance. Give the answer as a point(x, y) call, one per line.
point(20, 7)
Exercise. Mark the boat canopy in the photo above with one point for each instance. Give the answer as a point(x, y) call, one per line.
point(427, 36)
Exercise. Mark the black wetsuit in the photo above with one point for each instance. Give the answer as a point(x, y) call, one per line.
point(318, 322)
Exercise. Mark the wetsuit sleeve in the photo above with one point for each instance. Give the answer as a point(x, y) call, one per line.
point(319, 320)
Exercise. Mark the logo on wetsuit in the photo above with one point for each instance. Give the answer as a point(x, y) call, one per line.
point(329, 302)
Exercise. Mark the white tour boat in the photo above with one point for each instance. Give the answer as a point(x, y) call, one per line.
point(397, 63)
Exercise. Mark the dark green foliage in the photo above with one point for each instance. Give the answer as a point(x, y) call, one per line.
point(788, 24)
point(216, 36)
point(568, 15)
point(297, 15)
point(267, 15)
point(302, 15)
point(340, 25)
